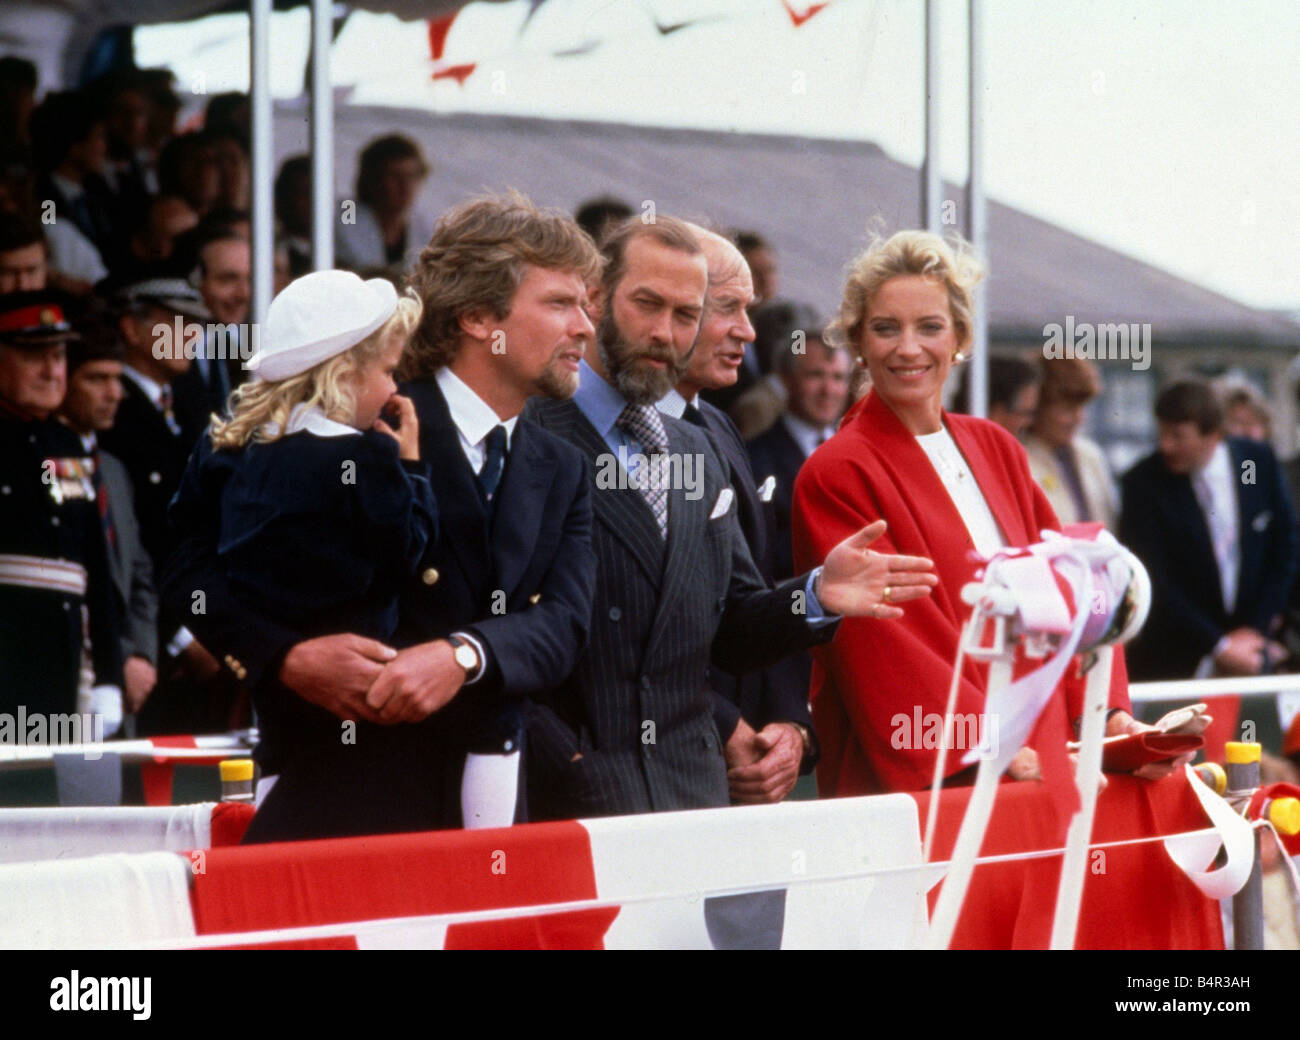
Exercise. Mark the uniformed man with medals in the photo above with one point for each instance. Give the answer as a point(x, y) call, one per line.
point(59, 646)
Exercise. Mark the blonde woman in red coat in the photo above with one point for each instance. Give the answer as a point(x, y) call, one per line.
point(952, 488)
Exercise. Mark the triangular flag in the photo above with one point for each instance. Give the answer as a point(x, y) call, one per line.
point(799, 19)
point(438, 30)
point(460, 73)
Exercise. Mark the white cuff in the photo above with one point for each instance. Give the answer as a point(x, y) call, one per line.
point(106, 702)
point(183, 638)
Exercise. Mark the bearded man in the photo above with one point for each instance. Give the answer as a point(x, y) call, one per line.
point(633, 729)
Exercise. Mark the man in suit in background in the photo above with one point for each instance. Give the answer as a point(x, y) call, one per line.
point(633, 730)
point(768, 706)
point(153, 434)
point(499, 607)
point(225, 284)
point(816, 380)
point(1210, 518)
point(89, 408)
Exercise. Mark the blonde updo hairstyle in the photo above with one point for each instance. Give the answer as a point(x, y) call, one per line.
point(259, 411)
point(908, 253)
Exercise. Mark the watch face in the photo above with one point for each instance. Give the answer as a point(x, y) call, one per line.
point(466, 658)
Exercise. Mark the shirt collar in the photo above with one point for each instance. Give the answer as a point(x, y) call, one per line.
point(1219, 468)
point(674, 404)
point(313, 420)
point(151, 389)
point(71, 189)
point(473, 416)
point(597, 400)
point(806, 435)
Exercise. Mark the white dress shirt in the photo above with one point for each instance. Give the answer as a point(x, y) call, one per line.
point(1216, 493)
point(806, 435)
point(152, 390)
point(474, 419)
point(965, 493)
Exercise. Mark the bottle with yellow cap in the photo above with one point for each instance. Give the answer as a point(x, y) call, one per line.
point(237, 780)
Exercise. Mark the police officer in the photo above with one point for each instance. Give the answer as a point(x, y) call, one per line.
point(57, 617)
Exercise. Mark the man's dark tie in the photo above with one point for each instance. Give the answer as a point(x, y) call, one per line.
point(694, 415)
point(215, 376)
point(494, 461)
point(101, 501)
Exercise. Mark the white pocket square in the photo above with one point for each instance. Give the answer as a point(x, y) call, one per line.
point(723, 503)
point(766, 489)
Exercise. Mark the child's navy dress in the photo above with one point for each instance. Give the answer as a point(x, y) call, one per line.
point(319, 532)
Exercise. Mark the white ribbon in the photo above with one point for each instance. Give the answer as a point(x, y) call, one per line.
point(1194, 853)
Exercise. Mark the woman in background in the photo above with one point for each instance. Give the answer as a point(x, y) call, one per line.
point(1069, 467)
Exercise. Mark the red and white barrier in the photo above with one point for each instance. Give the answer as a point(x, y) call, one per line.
point(28, 835)
point(841, 873)
point(94, 903)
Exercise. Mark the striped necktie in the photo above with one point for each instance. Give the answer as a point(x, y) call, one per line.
point(169, 415)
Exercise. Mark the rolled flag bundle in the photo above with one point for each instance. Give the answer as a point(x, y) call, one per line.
point(1072, 593)
point(1076, 592)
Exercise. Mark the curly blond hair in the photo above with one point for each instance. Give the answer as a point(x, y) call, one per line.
point(908, 253)
point(259, 411)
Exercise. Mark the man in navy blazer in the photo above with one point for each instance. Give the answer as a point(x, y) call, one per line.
point(499, 607)
point(1210, 517)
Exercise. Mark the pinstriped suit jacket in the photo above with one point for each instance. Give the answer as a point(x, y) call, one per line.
point(638, 707)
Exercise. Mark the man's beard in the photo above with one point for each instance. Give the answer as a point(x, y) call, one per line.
point(558, 383)
point(639, 384)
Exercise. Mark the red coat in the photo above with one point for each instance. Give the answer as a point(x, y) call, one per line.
point(875, 670)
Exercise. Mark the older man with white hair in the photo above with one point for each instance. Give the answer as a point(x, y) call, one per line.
point(766, 711)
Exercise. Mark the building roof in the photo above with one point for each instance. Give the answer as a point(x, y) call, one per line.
point(814, 199)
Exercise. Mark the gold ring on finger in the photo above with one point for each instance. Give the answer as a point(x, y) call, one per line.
point(888, 590)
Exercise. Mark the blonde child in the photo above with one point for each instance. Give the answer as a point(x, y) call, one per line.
point(325, 510)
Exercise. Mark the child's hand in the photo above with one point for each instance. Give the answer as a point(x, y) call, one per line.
point(407, 433)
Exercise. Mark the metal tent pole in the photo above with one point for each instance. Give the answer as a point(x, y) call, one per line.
point(322, 137)
point(263, 157)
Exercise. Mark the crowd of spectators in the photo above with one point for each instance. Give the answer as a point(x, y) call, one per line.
point(137, 224)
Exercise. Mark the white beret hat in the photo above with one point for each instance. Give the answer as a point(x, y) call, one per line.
point(317, 317)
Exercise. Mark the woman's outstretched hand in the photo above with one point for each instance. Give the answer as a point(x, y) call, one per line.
point(858, 582)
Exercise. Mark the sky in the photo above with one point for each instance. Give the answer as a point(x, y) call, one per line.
point(1167, 129)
